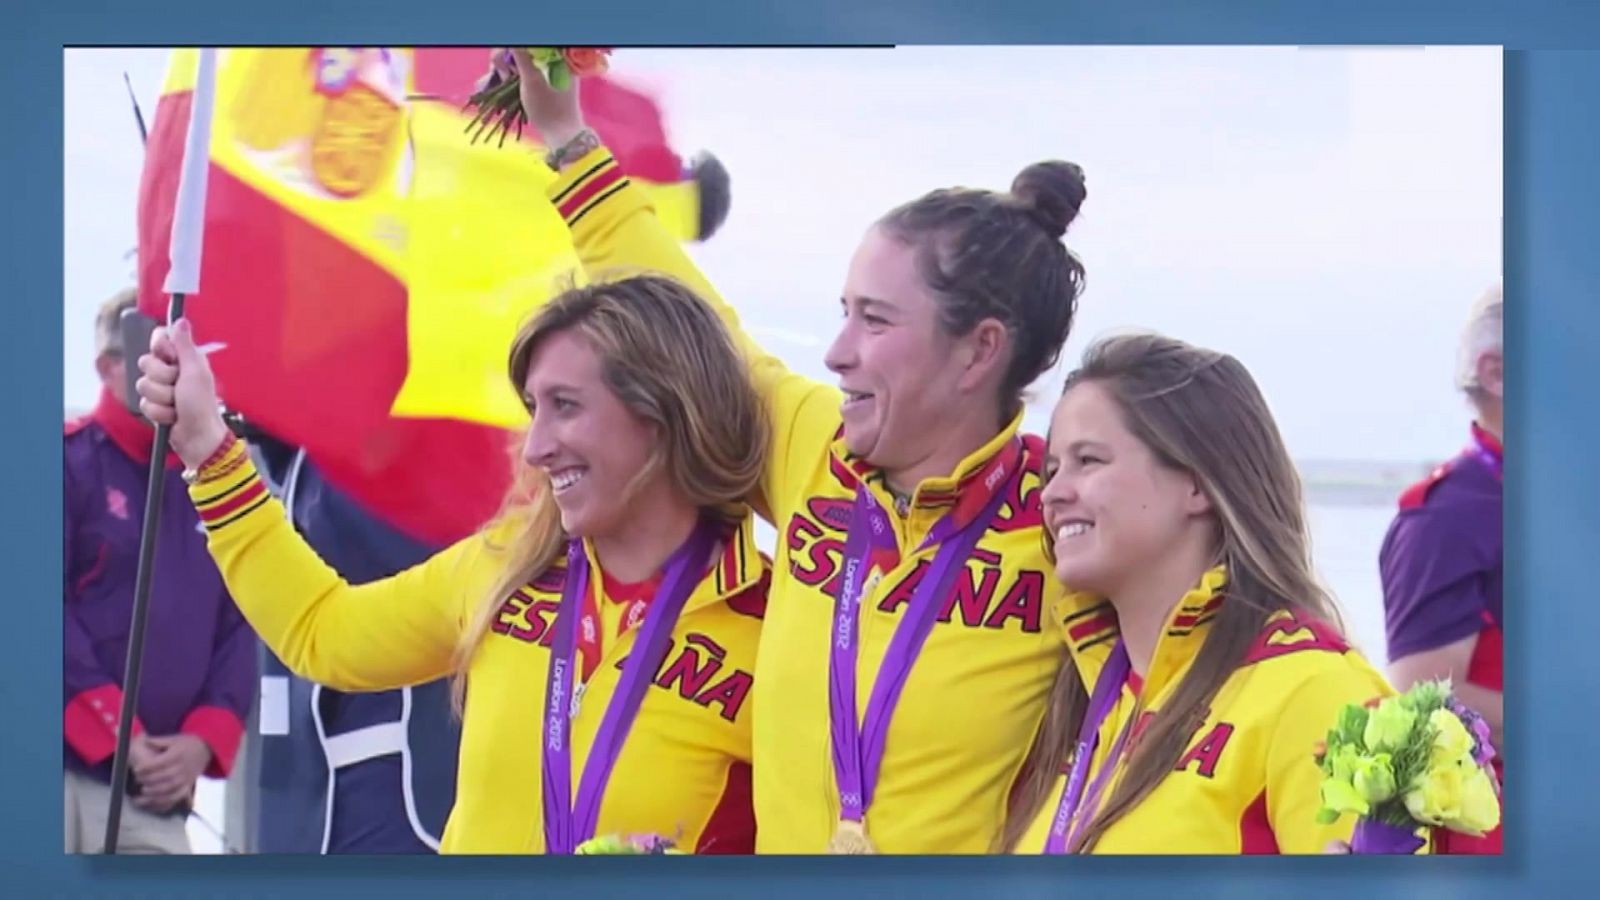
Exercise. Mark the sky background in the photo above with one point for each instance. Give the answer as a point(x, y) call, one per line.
point(1327, 215)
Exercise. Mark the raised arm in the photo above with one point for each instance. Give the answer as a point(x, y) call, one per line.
point(616, 232)
point(381, 635)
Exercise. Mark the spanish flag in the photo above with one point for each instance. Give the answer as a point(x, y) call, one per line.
point(366, 265)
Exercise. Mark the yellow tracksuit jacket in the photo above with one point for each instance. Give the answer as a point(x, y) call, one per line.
point(684, 769)
point(1248, 782)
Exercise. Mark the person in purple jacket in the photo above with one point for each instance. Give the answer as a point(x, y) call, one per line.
point(1441, 562)
point(199, 665)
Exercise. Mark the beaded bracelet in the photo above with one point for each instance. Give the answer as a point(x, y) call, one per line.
point(225, 468)
point(209, 470)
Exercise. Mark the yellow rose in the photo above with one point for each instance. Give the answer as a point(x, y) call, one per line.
point(1374, 779)
point(1389, 726)
point(1344, 764)
point(1436, 797)
point(1480, 806)
point(1451, 740)
point(1339, 797)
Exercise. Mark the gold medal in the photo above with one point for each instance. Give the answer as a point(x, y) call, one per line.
point(851, 840)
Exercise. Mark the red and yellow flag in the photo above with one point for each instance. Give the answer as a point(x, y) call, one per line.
point(366, 265)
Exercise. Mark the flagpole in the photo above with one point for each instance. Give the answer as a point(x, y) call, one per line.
point(138, 115)
point(183, 278)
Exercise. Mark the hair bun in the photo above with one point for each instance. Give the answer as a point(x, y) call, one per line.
point(1052, 193)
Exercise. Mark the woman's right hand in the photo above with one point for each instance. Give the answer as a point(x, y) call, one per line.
point(555, 114)
point(177, 389)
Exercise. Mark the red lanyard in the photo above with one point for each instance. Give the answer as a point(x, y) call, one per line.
point(637, 597)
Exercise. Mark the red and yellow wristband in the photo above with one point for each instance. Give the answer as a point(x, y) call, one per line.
point(226, 487)
point(586, 183)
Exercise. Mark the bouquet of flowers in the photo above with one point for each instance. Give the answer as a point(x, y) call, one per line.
point(498, 99)
point(1413, 760)
point(628, 845)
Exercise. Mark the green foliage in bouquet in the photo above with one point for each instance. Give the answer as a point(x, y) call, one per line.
point(498, 100)
point(1419, 758)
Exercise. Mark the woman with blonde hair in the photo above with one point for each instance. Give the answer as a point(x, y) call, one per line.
point(1207, 662)
point(622, 576)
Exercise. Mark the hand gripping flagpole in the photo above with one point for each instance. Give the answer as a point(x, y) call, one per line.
point(183, 277)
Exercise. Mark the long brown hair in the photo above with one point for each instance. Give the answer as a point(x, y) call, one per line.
point(669, 358)
point(1199, 412)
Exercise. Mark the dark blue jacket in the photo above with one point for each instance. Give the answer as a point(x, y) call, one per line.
point(351, 773)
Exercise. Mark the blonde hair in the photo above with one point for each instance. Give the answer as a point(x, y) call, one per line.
point(670, 360)
point(1200, 412)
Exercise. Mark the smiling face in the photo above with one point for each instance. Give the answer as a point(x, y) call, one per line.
point(896, 365)
point(1112, 509)
point(583, 436)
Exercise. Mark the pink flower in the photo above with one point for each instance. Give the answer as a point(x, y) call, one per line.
point(586, 61)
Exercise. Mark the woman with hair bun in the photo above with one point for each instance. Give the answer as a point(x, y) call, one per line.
point(911, 639)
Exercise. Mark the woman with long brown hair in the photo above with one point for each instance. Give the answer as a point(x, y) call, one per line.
point(602, 630)
point(1206, 661)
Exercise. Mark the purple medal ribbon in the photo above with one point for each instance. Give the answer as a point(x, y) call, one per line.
point(1372, 837)
point(858, 750)
point(568, 824)
point(1066, 824)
